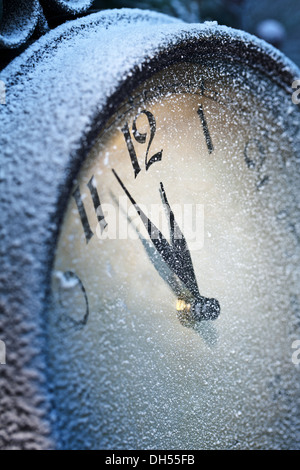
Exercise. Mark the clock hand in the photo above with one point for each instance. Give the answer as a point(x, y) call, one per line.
point(177, 258)
point(202, 307)
point(163, 270)
point(159, 241)
point(178, 242)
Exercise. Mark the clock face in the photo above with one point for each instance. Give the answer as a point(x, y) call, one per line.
point(175, 281)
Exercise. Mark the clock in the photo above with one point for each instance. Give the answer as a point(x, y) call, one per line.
point(151, 236)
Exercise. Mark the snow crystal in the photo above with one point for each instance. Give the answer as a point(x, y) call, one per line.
point(66, 282)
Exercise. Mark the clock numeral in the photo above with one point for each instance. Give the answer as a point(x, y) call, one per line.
point(77, 320)
point(97, 204)
point(207, 136)
point(131, 150)
point(82, 212)
point(141, 139)
point(254, 156)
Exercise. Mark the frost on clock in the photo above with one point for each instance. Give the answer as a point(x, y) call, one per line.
point(124, 372)
point(20, 19)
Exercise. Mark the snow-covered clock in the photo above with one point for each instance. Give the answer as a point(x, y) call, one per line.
point(150, 238)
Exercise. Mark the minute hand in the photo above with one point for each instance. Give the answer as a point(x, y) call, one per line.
point(184, 265)
point(176, 256)
point(169, 254)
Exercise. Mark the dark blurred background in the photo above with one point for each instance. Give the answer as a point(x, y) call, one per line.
point(276, 21)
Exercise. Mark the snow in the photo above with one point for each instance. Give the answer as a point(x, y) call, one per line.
point(71, 6)
point(20, 21)
point(66, 282)
point(22, 17)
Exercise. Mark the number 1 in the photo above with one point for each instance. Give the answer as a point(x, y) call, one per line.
point(208, 140)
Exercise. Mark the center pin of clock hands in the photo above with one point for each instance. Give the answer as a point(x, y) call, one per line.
point(177, 257)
